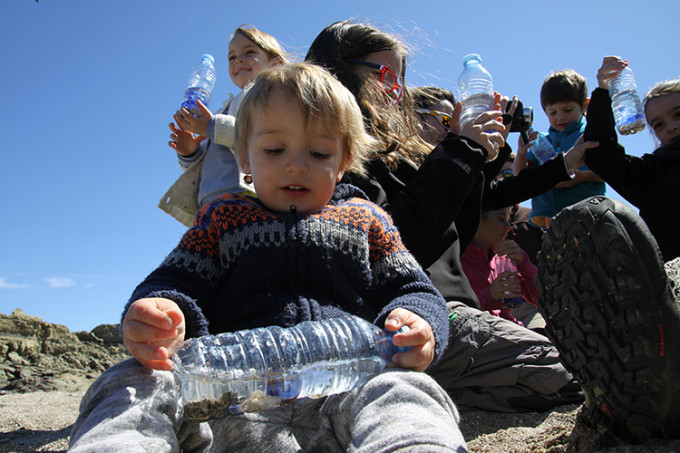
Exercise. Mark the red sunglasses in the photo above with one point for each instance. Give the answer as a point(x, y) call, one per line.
point(388, 78)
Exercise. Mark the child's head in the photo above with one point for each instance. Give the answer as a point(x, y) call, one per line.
point(662, 110)
point(297, 130)
point(250, 51)
point(493, 228)
point(345, 48)
point(564, 98)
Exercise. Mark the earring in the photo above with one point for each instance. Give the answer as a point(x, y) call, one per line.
point(248, 179)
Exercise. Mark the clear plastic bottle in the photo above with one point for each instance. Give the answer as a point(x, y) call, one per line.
point(251, 370)
point(201, 84)
point(626, 103)
point(509, 266)
point(475, 89)
point(542, 149)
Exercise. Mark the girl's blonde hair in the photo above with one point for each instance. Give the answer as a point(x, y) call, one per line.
point(661, 89)
point(318, 95)
point(263, 40)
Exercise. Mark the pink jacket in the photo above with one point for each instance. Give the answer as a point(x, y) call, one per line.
point(481, 271)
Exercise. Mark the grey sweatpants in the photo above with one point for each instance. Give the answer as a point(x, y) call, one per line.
point(494, 364)
point(132, 409)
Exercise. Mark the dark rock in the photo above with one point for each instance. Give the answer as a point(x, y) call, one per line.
point(36, 355)
point(109, 333)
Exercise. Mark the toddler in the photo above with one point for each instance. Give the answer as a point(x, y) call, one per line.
point(306, 248)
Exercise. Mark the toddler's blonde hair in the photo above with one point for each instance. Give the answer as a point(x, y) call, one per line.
point(318, 95)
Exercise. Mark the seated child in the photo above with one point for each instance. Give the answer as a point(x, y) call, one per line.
point(485, 262)
point(306, 248)
point(210, 167)
point(564, 98)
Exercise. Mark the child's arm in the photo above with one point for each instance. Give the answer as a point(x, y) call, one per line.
point(420, 338)
point(152, 328)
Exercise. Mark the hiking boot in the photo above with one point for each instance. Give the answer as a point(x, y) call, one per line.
point(611, 312)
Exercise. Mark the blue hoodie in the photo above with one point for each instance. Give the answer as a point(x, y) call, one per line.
point(554, 200)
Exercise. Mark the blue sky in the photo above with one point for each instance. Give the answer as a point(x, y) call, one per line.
point(88, 89)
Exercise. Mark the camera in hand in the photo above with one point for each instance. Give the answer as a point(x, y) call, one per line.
point(522, 119)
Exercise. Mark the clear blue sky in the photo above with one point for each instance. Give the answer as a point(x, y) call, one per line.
point(88, 89)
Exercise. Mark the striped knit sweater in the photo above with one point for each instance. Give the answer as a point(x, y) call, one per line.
point(243, 266)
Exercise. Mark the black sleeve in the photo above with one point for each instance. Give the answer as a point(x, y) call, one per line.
point(528, 183)
point(492, 168)
point(625, 174)
point(425, 205)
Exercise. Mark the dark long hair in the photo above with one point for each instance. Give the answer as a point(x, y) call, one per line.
point(394, 126)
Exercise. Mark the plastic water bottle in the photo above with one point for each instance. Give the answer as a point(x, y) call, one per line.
point(509, 265)
point(542, 149)
point(475, 89)
point(626, 103)
point(251, 370)
point(201, 84)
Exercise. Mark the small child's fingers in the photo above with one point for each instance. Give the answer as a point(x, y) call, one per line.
point(415, 336)
point(418, 358)
point(140, 332)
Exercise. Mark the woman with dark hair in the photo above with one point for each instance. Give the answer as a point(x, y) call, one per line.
point(434, 197)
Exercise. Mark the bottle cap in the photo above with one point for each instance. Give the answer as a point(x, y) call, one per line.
point(210, 58)
point(472, 58)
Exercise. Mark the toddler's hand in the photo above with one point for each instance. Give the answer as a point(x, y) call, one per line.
point(510, 249)
point(611, 67)
point(420, 337)
point(522, 147)
point(152, 328)
point(198, 124)
point(184, 142)
point(506, 285)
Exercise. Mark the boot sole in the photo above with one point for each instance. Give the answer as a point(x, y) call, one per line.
point(609, 311)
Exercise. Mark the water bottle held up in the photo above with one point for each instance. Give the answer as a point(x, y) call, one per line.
point(475, 89)
point(201, 84)
point(542, 149)
point(251, 370)
point(626, 103)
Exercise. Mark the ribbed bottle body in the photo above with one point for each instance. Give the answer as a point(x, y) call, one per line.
point(250, 370)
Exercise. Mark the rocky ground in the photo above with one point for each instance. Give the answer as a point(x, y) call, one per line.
point(45, 369)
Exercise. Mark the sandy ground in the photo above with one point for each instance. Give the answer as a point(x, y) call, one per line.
point(41, 421)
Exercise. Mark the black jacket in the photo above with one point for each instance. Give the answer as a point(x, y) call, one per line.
point(650, 182)
point(436, 208)
point(529, 183)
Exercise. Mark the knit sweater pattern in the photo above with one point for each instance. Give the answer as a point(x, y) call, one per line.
point(242, 266)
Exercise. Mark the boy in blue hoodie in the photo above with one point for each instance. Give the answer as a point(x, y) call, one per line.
point(564, 98)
